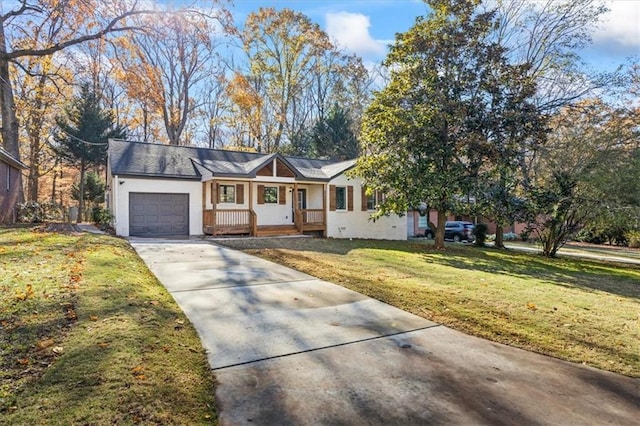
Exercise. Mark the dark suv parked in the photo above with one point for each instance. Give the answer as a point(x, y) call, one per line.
point(458, 231)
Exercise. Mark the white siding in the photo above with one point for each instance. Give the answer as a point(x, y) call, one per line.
point(120, 196)
point(274, 214)
point(356, 223)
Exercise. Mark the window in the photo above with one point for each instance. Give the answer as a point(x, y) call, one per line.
point(372, 201)
point(422, 221)
point(341, 198)
point(8, 178)
point(227, 193)
point(270, 194)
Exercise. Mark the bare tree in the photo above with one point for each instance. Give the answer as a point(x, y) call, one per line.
point(34, 28)
point(163, 66)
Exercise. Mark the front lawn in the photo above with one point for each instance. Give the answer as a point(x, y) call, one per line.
point(582, 311)
point(89, 336)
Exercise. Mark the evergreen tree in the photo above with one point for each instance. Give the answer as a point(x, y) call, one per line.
point(83, 135)
point(93, 189)
point(333, 136)
point(428, 133)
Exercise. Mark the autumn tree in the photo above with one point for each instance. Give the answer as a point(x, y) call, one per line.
point(293, 75)
point(64, 23)
point(426, 132)
point(41, 85)
point(162, 66)
point(547, 36)
point(83, 135)
point(576, 186)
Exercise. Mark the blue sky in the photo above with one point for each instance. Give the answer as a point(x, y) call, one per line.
point(365, 27)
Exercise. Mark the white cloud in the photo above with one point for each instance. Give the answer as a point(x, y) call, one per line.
point(351, 32)
point(621, 24)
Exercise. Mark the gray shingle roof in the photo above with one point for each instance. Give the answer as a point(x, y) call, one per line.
point(155, 160)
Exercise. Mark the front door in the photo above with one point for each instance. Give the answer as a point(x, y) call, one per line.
point(302, 203)
point(302, 199)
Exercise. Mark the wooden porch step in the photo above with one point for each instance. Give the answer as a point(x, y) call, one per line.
point(276, 230)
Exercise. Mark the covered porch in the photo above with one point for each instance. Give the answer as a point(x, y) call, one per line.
point(270, 209)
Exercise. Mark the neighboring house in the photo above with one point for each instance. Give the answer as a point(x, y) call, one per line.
point(156, 190)
point(10, 169)
point(418, 222)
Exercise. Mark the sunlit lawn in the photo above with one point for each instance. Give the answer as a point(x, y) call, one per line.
point(581, 311)
point(88, 336)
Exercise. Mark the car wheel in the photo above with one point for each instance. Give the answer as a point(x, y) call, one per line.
point(428, 234)
point(456, 238)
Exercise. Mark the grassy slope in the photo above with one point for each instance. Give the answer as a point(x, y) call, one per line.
point(581, 311)
point(88, 336)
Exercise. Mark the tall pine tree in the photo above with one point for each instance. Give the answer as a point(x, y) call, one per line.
point(83, 135)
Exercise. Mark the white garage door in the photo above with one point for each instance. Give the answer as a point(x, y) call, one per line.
point(155, 214)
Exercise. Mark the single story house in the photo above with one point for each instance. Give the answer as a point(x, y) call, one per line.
point(159, 190)
point(10, 169)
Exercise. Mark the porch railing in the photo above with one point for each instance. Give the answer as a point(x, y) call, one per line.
point(244, 221)
point(236, 221)
point(312, 216)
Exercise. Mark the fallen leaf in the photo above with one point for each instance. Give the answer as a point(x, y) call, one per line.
point(140, 377)
point(137, 369)
point(58, 350)
point(23, 361)
point(43, 344)
point(154, 302)
point(93, 318)
point(179, 321)
point(103, 345)
point(27, 293)
point(532, 306)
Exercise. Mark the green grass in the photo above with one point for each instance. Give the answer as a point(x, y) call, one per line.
point(89, 336)
point(578, 310)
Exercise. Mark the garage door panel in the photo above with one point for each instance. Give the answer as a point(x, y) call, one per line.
point(157, 214)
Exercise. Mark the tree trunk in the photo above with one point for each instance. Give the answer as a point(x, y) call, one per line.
point(499, 243)
point(81, 193)
point(54, 184)
point(439, 240)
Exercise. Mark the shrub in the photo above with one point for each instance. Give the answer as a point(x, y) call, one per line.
point(102, 217)
point(633, 239)
point(34, 212)
point(30, 212)
point(589, 235)
point(480, 232)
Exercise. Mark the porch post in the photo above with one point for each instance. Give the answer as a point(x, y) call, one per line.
point(214, 201)
point(252, 214)
point(204, 206)
point(294, 200)
point(324, 205)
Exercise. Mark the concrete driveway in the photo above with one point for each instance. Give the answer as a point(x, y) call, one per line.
point(290, 349)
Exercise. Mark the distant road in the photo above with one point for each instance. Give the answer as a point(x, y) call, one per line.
point(603, 253)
